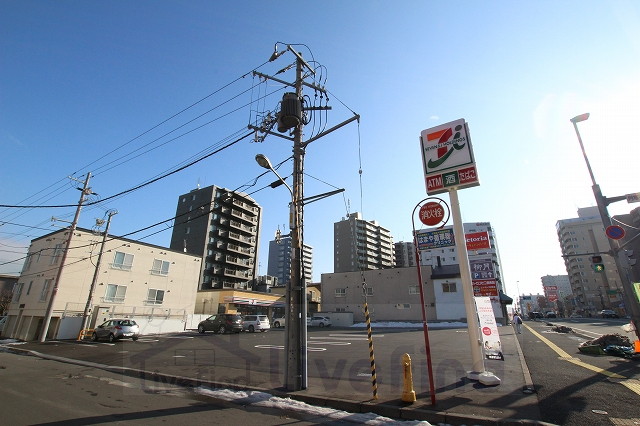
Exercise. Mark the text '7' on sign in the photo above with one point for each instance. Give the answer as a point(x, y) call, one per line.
point(431, 214)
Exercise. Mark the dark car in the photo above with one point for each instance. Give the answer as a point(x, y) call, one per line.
point(221, 323)
point(116, 329)
point(608, 313)
point(550, 314)
point(535, 315)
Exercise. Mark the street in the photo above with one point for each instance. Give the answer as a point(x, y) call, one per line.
point(585, 391)
point(571, 388)
point(37, 391)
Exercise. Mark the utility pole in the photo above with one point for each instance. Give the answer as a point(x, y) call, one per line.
point(47, 317)
point(290, 117)
point(85, 314)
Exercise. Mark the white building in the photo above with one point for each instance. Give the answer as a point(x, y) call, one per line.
point(155, 285)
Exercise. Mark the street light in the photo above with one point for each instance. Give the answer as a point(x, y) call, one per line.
point(296, 312)
point(630, 301)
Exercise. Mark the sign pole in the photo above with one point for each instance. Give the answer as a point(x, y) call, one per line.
point(478, 371)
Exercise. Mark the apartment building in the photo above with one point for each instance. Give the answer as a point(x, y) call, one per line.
point(223, 228)
point(405, 254)
point(279, 264)
point(361, 245)
point(580, 239)
point(153, 284)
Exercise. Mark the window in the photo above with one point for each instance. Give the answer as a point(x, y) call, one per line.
point(17, 292)
point(45, 290)
point(369, 291)
point(29, 288)
point(56, 254)
point(449, 287)
point(403, 306)
point(341, 292)
point(160, 267)
point(27, 262)
point(122, 261)
point(115, 293)
point(155, 297)
point(187, 230)
point(413, 289)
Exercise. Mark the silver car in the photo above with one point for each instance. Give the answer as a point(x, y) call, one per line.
point(114, 329)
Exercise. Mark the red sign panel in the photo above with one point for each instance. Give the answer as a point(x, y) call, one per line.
point(477, 240)
point(485, 288)
point(431, 214)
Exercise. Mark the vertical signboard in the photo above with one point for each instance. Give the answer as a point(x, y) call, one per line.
point(487, 322)
point(447, 157)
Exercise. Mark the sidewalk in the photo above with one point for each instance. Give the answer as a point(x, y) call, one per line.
point(458, 401)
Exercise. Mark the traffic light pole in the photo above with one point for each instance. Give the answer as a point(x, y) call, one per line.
point(632, 306)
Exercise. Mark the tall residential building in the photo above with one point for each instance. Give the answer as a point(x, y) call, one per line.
point(280, 260)
point(405, 254)
point(223, 227)
point(361, 245)
point(580, 239)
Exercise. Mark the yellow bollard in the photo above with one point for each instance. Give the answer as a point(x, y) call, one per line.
point(408, 394)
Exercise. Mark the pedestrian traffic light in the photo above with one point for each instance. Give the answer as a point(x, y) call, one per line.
point(598, 266)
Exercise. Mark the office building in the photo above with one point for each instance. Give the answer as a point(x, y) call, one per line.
point(223, 227)
point(361, 245)
point(279, 265)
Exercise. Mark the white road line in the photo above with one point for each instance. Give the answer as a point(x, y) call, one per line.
point(330, 343)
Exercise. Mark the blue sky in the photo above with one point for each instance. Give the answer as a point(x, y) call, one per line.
point(79, 79)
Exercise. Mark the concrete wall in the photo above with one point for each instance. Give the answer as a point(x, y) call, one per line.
point(391, 299)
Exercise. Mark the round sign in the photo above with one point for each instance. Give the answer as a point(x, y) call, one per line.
point(431, 214)
point(614, 232)
point(486, 331)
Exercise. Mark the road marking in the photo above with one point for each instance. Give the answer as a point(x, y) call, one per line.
point(356, 336)
point(281, 348)
point(337, 338)
point(631, 384)
point(179, 337)
point(329, 343)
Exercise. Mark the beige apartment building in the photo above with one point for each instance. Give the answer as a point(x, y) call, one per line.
point(580, 239)
point(361, 245)
point(155, 285)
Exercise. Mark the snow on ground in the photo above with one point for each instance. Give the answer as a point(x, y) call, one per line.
point(262, 399)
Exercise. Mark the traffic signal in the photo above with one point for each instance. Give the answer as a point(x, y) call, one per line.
point(598, 266)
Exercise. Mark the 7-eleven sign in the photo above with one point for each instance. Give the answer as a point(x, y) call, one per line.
point(447, 157)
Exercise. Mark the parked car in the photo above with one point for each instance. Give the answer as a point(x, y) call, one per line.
point(115, 329)
point(608, 313)
point(550, 315)
point(318, 321)
point(221, 323)
point(535, 315)
point(256, 322)
point(279, 322)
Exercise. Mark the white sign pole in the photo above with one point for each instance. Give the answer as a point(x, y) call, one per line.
point(478, 371)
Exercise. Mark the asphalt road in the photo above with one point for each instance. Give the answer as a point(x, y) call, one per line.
point(37, 391)
point(578, 389)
